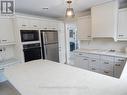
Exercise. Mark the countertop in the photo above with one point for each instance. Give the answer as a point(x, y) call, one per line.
point(103, 52)
point(43, 77)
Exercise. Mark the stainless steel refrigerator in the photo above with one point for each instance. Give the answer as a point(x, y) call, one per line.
point(49, 40)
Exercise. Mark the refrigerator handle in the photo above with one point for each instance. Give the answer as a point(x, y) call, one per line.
point(44, 38)
point(45, 52)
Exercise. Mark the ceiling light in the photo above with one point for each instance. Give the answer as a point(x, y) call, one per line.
point(69, 10)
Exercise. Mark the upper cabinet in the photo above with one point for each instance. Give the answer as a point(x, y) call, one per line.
point(84, 28)
point(104, 19)
point(46, 24)
point(122, 24)
point(6, 30)
point(26, 23)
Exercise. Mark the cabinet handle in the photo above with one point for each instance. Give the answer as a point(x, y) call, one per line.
point(23, 25)
point(4, 40)
point(93, 69)
point(35, 25)
point(80, 54)
point(45, 28)
point(106, 62)
point(89, 36)
point(121, 35)
point(1, 68)
point(121, 60)
point(106, 72)
point(85, 59)
point(93, 60)
point(117, 65)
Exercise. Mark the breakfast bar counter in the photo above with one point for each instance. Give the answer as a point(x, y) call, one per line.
point(43, 77)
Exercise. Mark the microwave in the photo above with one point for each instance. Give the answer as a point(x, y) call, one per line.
point(29, 35)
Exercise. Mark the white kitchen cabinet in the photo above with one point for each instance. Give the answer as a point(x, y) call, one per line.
point(28, 23)
point(34, 23)
point(106, 72)
point(84, 28)
point(118, 67)
point(81, 62)
point(104, 19)
point(122, 25)
point(6, 30)
point(107, 62)
point(103, 64)
point(23, 22)
point(48, 24)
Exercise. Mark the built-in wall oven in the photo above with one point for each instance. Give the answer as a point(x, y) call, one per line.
point(32, 52)
point(29, 35)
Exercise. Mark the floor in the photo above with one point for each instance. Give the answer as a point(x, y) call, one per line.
point(7, 89)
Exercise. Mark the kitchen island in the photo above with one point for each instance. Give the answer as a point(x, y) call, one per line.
point(43, 77)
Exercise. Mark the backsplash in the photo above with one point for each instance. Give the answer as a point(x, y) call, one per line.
point(6, 53)
point(104, 44)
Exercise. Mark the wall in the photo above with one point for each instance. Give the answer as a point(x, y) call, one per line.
point(106, 44)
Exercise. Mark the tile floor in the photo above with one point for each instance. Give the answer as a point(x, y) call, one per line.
point(7, 89)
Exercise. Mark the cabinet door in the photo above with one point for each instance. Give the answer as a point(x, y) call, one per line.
point(52, 25)
point(107, 72)
point(118, 67)
point(107, 62)
point(122, 24)
point(94, 63)
point(84, 28)
point(23, 22)
point(104, 19)
point(34, 23)
point(81, 62)
point(6, 30)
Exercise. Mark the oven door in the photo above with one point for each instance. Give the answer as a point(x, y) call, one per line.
point(32, 54)
point(29, 35)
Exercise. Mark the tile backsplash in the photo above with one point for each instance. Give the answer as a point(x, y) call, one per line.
point(101, 43)
point(6, 52)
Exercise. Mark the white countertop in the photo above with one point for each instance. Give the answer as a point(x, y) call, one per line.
point(102, 52)
point(44, 77)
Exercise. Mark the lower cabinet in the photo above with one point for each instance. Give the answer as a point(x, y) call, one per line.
point(81, 62)
point(103, 64)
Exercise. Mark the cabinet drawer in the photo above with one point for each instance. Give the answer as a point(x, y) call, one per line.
point(120, 59)
point(107, 58)
point(107, 65)
point(107, 72)
point(94, 63)
point(81, 62)
point(94, 69)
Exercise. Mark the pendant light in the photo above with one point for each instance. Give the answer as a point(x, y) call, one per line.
point(69, 11)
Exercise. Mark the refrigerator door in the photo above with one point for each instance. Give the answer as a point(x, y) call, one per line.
point(50, 37)
point(52, 52)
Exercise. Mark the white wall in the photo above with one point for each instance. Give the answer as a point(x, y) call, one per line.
point(101, 43)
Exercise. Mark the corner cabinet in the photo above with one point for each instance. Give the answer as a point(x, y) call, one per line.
point(122, 25)
point(104, 19)
point(6, 30)
point(84, 28)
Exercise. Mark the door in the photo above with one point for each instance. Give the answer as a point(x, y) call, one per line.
point(52, 52)
point(122, 24)
point(50, 37)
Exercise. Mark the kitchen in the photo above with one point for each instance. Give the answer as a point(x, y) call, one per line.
point(98, 35)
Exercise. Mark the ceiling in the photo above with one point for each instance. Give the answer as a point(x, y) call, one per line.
point(56, 8)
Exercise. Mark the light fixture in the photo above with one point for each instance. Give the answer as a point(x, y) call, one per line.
point(69, 11)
